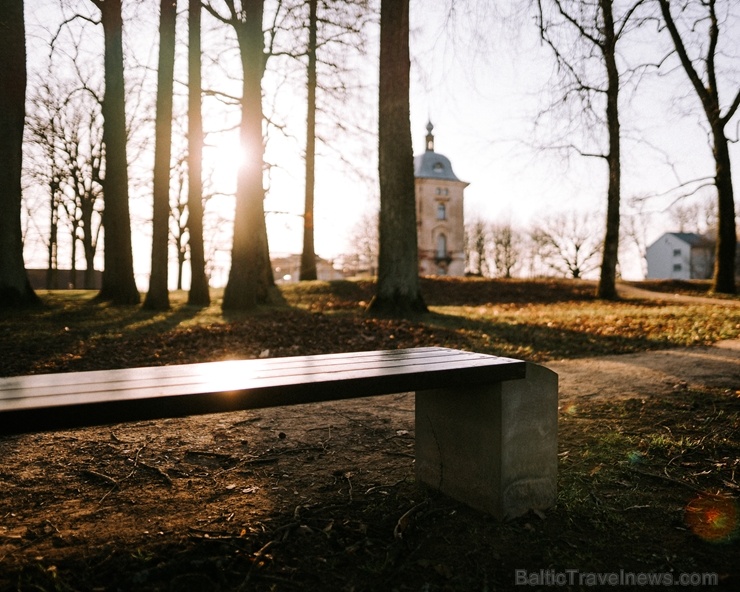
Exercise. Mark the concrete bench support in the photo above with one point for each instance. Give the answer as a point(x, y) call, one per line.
point(492, 447)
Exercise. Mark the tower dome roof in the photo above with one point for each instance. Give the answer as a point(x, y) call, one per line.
point(431, 164)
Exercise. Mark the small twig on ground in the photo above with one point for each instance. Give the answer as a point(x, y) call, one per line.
point(100, 476)
point(394, 453)
point(666, 478)
point(246, 421)
point(157, 470)
point(259, 554)
point(403, 521)
point(260, 460)
point(208, 453)
point(117, 484)
point(389, 486)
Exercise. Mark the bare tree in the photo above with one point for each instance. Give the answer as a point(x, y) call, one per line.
point(199, 293)
point(398, 289)
point(179, 217)
point(476, 244)
point(701, 69)
point(698, 216)
point(334, 26)
point(157, 297)
point(42, 125)
point(119, 285)
point(568, 244)
point(506, 247)
point(80, 147)
point(362, 256)
point(637, 225)
point(250, 277)
point(15, 289)
point(308, 255)
point(583, 35)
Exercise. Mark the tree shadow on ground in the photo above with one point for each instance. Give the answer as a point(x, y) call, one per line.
point(68, 328)
point(539, 342)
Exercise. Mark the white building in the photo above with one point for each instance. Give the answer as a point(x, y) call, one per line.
point(680, 256)
point(439, 213)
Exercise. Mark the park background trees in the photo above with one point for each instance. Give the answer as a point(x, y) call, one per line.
point(78, 42)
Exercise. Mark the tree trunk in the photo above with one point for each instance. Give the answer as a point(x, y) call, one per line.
point(308, 256)
point(250, 276)
point(87, 208)
point(119, 285)
point(73, 259)
point(15, 289)
point(52, 277)
point(158, 296)
point(726, 250)
point(607, 282)
point(199, 294)
point(398, 290)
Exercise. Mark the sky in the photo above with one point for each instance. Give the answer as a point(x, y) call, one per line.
point(481, 79)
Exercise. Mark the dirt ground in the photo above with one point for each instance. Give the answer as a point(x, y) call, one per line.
point(657, 373)
point(301, 498)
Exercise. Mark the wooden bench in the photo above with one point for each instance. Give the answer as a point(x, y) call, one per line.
point(486, 426)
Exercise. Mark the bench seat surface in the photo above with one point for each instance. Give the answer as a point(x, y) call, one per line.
point(78, 399)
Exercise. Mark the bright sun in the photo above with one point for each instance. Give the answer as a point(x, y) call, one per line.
point(221, 163)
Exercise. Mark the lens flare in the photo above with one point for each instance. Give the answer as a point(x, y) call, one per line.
point(713, 518)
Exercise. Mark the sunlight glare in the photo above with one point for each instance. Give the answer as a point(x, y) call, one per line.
point(222, 161)
point(713, 518)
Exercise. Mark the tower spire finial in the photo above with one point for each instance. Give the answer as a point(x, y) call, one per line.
point(430, 137)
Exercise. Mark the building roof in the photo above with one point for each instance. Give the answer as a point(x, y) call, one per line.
point(691, 238)
point(431, 164)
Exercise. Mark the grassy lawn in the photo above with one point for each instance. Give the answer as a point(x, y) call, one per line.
point(647, 485)
point(537, 321)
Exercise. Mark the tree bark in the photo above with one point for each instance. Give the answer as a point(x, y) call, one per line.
point(398, 289)
point(15, 289)
point(119, 285)
point(726, 250)
point(250, 276)
point(607, 282)
point(308, 255)
point(199, 293)
point(158, 296)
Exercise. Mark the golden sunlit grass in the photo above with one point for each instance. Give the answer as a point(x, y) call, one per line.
point(536, 320)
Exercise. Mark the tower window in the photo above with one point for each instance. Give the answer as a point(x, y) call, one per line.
point(441, 246)
point(441, 211)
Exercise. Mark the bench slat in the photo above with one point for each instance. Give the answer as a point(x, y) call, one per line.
point(43, 402)
point(256, 366)
point(227, 375)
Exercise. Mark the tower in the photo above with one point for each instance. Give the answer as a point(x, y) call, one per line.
point(439, 213)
